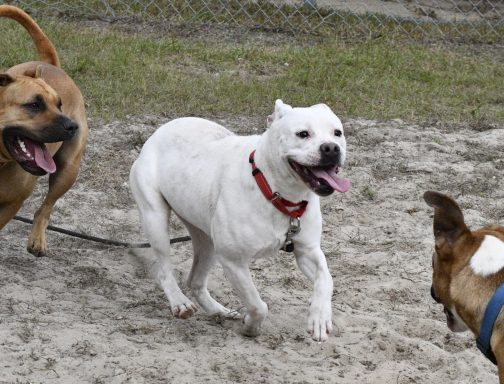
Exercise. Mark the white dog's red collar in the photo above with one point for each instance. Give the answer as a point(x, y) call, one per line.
point(276, 199)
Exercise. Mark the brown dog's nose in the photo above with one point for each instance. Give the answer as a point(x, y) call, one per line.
point(70, 127)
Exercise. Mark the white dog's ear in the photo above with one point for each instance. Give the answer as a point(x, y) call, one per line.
point(280, 110)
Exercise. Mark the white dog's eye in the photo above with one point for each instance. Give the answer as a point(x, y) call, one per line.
point(337, 132)
point(303, 134)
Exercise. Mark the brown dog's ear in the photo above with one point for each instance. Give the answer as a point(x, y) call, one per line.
point(449, 222)
point(5, 79)
point(33, 72)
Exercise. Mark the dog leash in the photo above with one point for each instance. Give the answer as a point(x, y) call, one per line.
point(283, 205)
point(491, 313)
point(99, 239)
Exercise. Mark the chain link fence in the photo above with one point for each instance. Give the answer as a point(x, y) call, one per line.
point(469, 20)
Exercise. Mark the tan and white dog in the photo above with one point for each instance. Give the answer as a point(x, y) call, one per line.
point(43, 129)
point(203, 173)
point(468, 269)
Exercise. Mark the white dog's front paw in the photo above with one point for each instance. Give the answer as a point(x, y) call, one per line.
point(320, 323)
point(250, 328)
point(184, 311)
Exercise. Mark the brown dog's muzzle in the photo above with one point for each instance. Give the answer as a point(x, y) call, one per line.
point(26, 145)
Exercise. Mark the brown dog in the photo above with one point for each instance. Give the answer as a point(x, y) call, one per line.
point(43, 129)
point(468, 271)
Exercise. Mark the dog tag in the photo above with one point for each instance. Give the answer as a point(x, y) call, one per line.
point(294, 227)
point(288, 247)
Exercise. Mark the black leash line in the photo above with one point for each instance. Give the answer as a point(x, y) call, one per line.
point(99, 239)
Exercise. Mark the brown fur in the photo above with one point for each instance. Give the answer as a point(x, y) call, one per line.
point(18, 86)
point(454, 282)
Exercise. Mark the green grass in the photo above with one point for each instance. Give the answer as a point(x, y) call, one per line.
point(124, 74)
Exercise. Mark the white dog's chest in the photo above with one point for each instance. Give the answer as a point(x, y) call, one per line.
point(253, 238)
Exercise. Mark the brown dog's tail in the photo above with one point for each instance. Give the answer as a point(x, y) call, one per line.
point(46, 50)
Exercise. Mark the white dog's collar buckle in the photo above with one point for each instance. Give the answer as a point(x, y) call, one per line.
point(276, 195)
point(294, 227)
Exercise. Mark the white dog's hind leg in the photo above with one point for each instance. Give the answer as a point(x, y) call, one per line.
point(204, 259)
point(313, 264)
point(155, 213)
point(238, 274)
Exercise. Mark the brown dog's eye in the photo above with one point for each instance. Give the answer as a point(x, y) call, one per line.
point(35, 106)
point(337, 133)
point(303, 134)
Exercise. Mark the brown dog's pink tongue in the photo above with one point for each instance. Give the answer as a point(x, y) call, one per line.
point(43, 158)
point(337, 183)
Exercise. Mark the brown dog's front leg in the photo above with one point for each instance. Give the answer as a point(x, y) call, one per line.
point(59, 183)
point(8, 211)
point(15, 187)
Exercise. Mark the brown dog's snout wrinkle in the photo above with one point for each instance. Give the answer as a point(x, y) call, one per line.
point(61, 129)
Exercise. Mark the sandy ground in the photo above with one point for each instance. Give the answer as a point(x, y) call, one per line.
point(94, 314)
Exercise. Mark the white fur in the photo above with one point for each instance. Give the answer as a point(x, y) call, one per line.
point(489, 258)
point(201, 171)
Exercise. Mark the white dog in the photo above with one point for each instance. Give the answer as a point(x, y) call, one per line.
point(203, 173)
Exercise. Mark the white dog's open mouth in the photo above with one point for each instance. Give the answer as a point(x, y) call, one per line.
point(323, 180)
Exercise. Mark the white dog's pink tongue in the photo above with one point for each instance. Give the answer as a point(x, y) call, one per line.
point(337, 183)
point(43, 158)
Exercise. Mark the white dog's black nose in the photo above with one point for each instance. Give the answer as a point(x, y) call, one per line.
point(329, 153)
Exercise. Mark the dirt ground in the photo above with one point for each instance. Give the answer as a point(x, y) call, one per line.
point(94, 314)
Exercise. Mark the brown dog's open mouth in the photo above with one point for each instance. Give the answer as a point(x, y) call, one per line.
point(323, 180)
point(450, 319)
point(32, 156)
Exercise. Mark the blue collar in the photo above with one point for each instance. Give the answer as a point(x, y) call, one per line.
point(491, 313)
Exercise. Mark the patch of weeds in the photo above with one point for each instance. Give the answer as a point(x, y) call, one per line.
point(137, 140)
point(379, 79)
point(91, 278)
point(482, 125)
point(499, 164)
point(381, 170)
point(437, 140)
point(480, 153)
point(25, 332)
point(482, 185)
point(50, 363)
point(134, 330)
point(33, 355)
point(275, 341)
point(10, 305)
point(84, 348)
point(357, 238)
point(368, 193)
point(467, 205)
